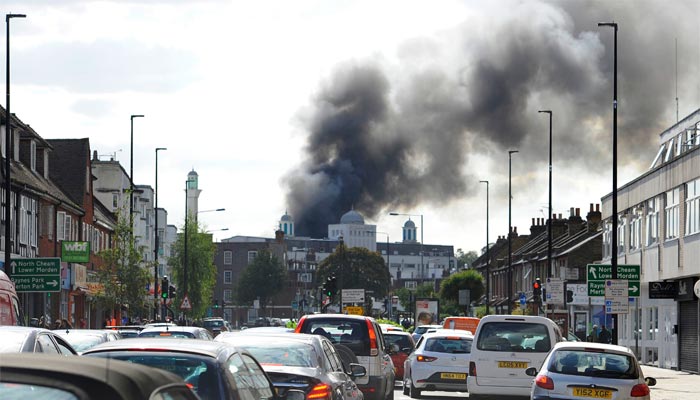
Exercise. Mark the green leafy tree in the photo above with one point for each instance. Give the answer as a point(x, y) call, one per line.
point(449, 289)
point(201, 271)
point(262, 279)
point(121, 274)
point(425, 290)
point(465, 260)
point(356, 268)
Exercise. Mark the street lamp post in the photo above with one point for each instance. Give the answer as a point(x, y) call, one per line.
point(549, 215)
point(488, 259)
point(155, 250)
point(510, 262)
point(613, 247)
point(421, 238)
point(131, 173)
point(8, 146)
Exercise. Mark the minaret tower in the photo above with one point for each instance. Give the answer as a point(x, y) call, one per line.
point(193, 194)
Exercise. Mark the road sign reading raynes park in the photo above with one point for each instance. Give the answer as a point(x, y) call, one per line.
point(599, 273)
point(36, 274)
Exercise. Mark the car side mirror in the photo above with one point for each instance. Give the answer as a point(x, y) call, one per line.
point(650, 381)
point(357, 370)
point(294, 394)
point(532, 371)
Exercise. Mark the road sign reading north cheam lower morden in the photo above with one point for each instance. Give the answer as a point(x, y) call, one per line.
point(36, 274)
point(597, 274)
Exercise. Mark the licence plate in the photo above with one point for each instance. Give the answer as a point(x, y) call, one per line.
point(448, 375)
point(512, 364)
point(592, 393)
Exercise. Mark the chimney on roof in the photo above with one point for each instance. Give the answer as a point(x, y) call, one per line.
point(279, 236)
point(575, 223)
point(94, 155)
point(537, 228)
point(593, 218)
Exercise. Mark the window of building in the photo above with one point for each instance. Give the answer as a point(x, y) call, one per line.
point(636, 219)
point(228, 296)
point(607, 239)
point(304, 277)
point(621, 229)
point(60, 226)
point(671, 213)
point(652, 221)
point(692, 207)
point(410, 284)
point(228, 257)
point(115, 200)
point(251, 255)
point(228, 277)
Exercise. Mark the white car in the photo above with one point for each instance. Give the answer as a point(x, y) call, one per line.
point(439, 362)
point(590, 370)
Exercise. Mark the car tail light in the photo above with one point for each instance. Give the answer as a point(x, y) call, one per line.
point(373, 350)
point(425, 358)
point(320, 392)
point(640, 390)
point(472, 368)
point(544, 382)
point(300, 324)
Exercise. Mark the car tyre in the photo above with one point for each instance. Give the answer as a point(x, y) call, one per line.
point(414, 392)
point(346, 355)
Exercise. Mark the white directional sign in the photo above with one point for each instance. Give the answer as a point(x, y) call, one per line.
point(616, 296)
point(555, 291)
point(353, 295)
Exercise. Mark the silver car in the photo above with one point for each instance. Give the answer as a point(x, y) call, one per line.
point(590, 370)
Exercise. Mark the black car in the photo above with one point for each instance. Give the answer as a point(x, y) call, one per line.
point(306, 362)
point(46, 376)
point(215, 370)
point(214, 325)
point(24, 339)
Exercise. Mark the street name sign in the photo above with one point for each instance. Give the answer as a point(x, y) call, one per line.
point(36, 274)
point(597, 274)
point(616, 297)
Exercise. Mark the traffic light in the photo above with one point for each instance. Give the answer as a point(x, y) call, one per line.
point(171, 292)
point(330, 286)
point(537, 290)
point(164, 285)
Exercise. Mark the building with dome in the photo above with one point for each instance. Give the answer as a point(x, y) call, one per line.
point(409, 232)
point(286, 225)
point(354, 231)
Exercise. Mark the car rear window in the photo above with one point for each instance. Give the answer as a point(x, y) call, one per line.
point(514, 337)
point(352, 333)
point(168, 334)
point(291, 354)
point(593, 363)
point(449, 345)
point(402, 341)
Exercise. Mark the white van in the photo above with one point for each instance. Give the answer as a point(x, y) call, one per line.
point(504, 347)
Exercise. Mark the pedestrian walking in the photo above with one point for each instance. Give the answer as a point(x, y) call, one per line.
point(593, 336)
point(604, 336)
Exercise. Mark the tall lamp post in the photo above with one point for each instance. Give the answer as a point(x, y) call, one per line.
point(155, 250)
point(421, 238)
point(131, 173)
point(488, 256)
point(8, 143)
point(613, 247)
point(549, 215)
point(510, 262)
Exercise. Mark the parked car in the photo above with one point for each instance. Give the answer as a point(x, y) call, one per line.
point(364, 338)
point(215, 370)
point(83, 339)
point(590, 370)
point(400, 345)
point(420, 330)
point(182, 332)
point(439, 362)
point(504, 347)
point(42, 376)
point(306, 362)
point(24, 339)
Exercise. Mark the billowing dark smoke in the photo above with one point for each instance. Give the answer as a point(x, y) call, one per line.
point(387, 137)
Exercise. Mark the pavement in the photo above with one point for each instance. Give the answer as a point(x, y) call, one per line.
point(672, 384)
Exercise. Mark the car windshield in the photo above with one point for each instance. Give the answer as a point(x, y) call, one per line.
point(593, 363)
point(514, 336)
point(287, 354)
point(83, 342)
point(168, 334)
point(448, 345)
point(12, 341)
point(198, 371)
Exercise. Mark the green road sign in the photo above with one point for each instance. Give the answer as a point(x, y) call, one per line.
point(77, 252)
point(598, 273)
point(36, 274)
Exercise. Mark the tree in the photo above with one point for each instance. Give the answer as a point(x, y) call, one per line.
point(426, 290)
point(356, 268)
point(123, 278)
point(262, 279)
point(201, 271)
point(468, 279)
point(465, 260)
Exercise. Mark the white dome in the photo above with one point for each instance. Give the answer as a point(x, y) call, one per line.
point(352, 217)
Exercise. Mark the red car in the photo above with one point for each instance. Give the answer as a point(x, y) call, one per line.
point(405, 344)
